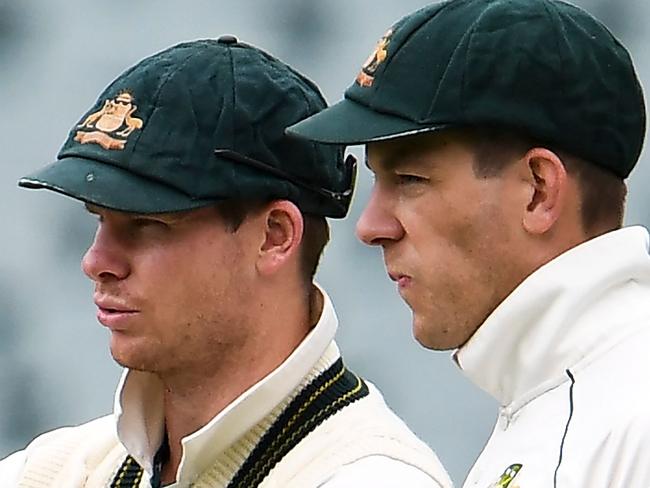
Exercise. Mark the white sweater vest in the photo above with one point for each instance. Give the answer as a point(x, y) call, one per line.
point(90, 455)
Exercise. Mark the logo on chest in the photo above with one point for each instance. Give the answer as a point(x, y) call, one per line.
point(507, 478)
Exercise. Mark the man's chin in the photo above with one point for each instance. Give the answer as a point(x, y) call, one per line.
point(129, 363)
point(132, 360)
point(132, 352)
point(435, 345)
point(431, 336)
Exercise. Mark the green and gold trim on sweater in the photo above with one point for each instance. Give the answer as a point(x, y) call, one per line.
point(327, 394)
point(129, 475)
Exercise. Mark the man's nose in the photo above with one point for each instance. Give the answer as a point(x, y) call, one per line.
point(378, 224)
point(105, 260)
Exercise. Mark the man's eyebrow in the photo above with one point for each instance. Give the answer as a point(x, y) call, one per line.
point(390, 162)
point(171, 217)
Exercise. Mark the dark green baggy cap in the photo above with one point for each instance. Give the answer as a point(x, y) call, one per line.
point(543, 67)
point(201, 122)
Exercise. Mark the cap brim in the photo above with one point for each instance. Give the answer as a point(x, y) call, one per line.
point(109, 186)
point(350, 123)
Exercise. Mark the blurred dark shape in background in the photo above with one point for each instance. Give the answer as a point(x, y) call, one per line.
point(19, 382)
point(12, 17)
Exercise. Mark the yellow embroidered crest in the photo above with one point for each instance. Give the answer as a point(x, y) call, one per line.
point(367, 74)
point(111, 126)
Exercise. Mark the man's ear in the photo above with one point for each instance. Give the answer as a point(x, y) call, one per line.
point(283, 229)
point(547, 178)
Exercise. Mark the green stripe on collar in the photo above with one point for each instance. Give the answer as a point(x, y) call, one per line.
point(129, 475)
point(331, 391)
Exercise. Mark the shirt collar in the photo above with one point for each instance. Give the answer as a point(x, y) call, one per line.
point(578, 304)
point(139, 402)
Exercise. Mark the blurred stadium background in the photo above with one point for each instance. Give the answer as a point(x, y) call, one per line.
point(56, 57)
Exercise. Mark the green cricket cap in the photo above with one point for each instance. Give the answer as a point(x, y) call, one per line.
point(195, 124)
point(543, 67)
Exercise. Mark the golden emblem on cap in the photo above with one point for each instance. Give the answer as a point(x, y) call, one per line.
point(111, 126)
point(367, 74)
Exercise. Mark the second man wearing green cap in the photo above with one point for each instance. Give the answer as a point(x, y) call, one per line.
point(211, 222)
point(500, 133)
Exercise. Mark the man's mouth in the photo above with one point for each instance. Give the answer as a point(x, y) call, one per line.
point(402, 280)
point(114, 313)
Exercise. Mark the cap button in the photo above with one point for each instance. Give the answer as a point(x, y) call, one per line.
point(227, 39)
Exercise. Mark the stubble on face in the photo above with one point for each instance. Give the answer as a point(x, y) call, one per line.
point(455, 240)
point(194, 289)
point(465, 286)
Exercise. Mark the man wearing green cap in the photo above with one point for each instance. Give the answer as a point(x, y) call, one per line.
point(500, 133)
point(211, 222)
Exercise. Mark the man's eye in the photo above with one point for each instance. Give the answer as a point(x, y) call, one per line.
point(148, 223)
point(406, 179)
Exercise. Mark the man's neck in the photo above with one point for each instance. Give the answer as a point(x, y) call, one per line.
point(182, 417)
point(193, 399)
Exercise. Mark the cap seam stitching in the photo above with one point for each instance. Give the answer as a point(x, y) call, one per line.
point(269, 62)
point(234, 99)
point(157, 94)
point(463, 82)
point(169, 75)
point(311, 109)
point(547, 7)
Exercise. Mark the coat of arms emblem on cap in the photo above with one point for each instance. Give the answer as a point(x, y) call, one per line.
point(367, 74)
point(111, 126)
